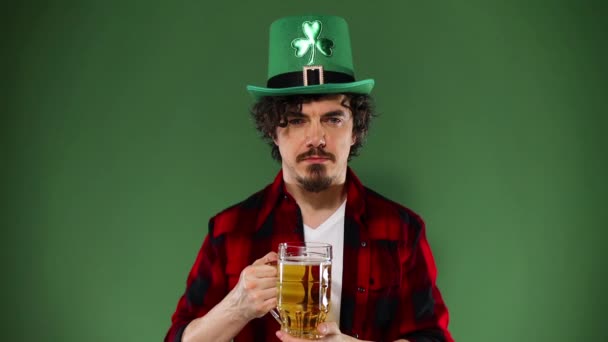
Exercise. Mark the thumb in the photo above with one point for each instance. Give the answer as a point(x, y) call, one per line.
point(329, 328)
point(268, 258)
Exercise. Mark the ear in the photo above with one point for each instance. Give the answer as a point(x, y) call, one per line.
point(274, 139)
point(353, 139)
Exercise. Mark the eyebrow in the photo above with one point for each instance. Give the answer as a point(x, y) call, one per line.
point(335, 113)
point(332, 113)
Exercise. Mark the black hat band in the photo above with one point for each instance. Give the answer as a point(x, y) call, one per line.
point(311, 75)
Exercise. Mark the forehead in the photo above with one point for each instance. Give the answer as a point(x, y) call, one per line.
point(326, 104)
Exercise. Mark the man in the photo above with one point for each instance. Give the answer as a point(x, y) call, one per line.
point(315, 117)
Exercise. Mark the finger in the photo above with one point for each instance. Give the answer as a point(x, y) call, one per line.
point(264, 271)
point(266, 283)
point(329, 328)
point(268, 258)
point(270, 304)
point(268, 293)
point(266, 306)
point(285, 337)
point(251, 284)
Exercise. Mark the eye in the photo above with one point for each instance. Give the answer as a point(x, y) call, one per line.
point(295, 121)
point(334, 120)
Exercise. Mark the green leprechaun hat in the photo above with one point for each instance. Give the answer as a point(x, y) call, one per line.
point(310, 55)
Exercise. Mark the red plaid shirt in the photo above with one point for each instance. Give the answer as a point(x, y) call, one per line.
point(389, 274)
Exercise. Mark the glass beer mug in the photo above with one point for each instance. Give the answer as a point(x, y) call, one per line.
point(304, 284)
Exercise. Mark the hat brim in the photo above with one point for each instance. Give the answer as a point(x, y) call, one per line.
point(358, 87)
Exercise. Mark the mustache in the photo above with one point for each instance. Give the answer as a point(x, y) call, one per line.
point(315, 151)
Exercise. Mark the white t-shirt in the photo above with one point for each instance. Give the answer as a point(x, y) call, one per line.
point(332, 231)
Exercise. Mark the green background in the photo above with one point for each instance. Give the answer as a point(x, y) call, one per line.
point(125, 126)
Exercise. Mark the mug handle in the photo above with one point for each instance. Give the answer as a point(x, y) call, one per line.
point(274, 312)
point(276, 316)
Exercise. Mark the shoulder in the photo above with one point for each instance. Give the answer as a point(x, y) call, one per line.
point(240, 216)
point(388, 217)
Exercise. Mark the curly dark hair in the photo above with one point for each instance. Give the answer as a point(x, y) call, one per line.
point(269, 112)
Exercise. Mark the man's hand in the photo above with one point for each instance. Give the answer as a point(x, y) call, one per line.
point(256, 292)
point(329, 331)
point(253, 296)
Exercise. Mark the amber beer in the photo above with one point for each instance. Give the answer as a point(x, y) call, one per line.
point(304, 287)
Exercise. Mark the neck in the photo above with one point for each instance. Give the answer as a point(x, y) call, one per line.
point(330, 198)
point(316, 207)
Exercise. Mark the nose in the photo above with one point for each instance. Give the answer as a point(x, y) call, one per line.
point(315, 136)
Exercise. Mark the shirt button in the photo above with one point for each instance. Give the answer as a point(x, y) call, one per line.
point(360, 289)
point(356, 335)
point(363, 244)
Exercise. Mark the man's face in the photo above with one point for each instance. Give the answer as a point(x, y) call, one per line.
point(315, 144)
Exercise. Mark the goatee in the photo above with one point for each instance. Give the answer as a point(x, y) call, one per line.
point(317, 181)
